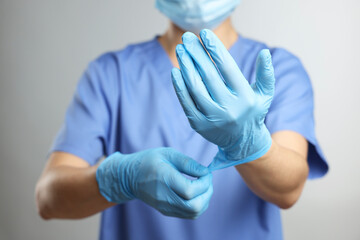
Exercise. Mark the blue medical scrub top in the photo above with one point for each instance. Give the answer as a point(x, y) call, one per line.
point(125, 102)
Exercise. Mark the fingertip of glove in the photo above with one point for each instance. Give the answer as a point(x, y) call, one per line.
point(265, 51)
point(188, 37)
point(175, 72)
point(203, 171)
point(265, 69)
point(205, 33)
point(198, 169)
point(179, 48)
point(265, 57)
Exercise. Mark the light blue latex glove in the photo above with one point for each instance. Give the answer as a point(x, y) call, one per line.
point(219, 102)
point(155, 177)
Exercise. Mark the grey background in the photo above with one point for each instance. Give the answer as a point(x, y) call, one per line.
point(46, 44)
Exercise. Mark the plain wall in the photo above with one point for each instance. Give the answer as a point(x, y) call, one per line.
point(46, 44)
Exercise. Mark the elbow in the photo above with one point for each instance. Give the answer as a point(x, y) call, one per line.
point(288, 200)
point(286, 203)
point(43, 213)
point(42, 205)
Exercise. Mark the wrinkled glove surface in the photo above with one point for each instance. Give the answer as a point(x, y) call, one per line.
point(155, 177)
point(219, 102)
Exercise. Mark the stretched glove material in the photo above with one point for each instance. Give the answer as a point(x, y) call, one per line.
point(155, 177)
point(219, 102)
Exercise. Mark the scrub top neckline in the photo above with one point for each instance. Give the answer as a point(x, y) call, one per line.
point(167, 61)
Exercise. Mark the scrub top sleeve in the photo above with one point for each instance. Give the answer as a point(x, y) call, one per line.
point(293, 107)
point(86, 126)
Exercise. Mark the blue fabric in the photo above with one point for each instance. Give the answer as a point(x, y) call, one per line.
point(125, 102)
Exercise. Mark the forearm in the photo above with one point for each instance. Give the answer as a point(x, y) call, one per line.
point(69, 192)
point(278, 176)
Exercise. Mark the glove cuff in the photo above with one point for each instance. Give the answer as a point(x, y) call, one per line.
point(239, 154)
point(112, 186)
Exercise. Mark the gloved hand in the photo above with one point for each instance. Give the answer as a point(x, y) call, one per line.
point(154, 176)
point(219, 102)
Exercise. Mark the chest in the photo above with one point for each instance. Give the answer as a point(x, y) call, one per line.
point(151, 116)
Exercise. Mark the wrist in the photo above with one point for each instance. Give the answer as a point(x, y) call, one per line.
point(126, 177)
point(112, 182)
point(271, 152)
point(250, 148)
point(242, 152)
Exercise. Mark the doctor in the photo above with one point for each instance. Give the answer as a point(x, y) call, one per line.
point(234, 114)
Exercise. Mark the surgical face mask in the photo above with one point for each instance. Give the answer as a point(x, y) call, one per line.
point(194, 15)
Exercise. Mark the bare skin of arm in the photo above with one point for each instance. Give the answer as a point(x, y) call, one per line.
point(280, 175)
point(68, 189)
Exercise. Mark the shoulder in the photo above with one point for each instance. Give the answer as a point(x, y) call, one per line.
point(290, 74)
point(110, 66)
point(289, 70)
point(284, 61)
point(251, 47)
point(130, 53)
